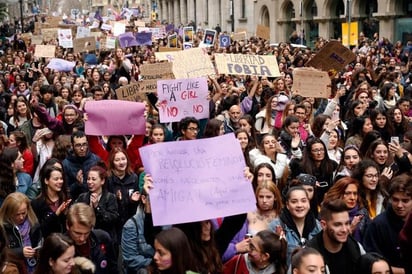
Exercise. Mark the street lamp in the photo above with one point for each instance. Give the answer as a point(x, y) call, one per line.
point(349, 20)
point(21, 16)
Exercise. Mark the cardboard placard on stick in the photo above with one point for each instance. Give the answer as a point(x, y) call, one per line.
point(49, 34)
point(151, 73)
point(36, 39)
point(310, 82)
point(165, 49)
point(241, 64)
point(130, 92)
point(332, 57)
point(263, 32)
point(45, 51)
point(192, 63)
point(239, 36)
point(84, 44)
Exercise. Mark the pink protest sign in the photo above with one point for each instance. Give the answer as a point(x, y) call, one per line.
point(179, 98)
point(197, 180)
point(114, 117)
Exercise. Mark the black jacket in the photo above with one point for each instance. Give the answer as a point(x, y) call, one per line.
point(49, 221)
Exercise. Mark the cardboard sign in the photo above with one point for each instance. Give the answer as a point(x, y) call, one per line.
point(49, 34)
point(37, 40)
point(53, 21)
point(138, 23)
point(129, 92)
point(82, 32)
point(45, 51)
point(332, 57)
point(180, 98)
point(192, 63)
point(239, 36)
point(84, 44)
point(199, 179)
point(123, 117)
point(151, 73)
point(166, 49)
point(309, 82)
point(263, 32)
point(65, 38)
point(243, 64)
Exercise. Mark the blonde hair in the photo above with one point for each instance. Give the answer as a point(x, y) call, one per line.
point(82, 214)
point(11, 205)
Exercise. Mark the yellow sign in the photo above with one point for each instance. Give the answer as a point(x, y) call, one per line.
point(353, 33)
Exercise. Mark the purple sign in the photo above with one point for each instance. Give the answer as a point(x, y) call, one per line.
point(127, 40)
point(197, 180)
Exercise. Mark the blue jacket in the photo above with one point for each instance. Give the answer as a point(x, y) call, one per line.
point(136, 252)
point(71, 165)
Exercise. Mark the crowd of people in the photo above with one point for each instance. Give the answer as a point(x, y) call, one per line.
point(332, 176)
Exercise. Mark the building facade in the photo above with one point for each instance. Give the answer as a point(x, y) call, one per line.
point(389, 18)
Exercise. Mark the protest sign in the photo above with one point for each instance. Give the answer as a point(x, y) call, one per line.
point(118, 28)
point(49, 34)
point(332, 57)
point(263, 32)
point(60, 64)
point(309, 82)
point(353, 33)
point(188, 34)
point(127, 40)
point(123, 117)
point(110, 42)
point(65, 38)
point(242, 64)
point(187, 46)
point(144, 38)
point(82, 32)
point(139, 23)
point(151, 73)
point(197, 180)
point(239, 36)
point(36, 39)
point(224, 41)
point(172, 41)
point(169, 27)
point(45, 51)
point(209, 38)
point(181, 98)
point(166, 49)
point(129, 92)
point(192, 63)
point(84, 44)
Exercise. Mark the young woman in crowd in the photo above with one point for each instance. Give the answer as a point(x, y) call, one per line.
point(373, 263)
point(371, 192)
point(21, 228)
point(267, 254)
point(316, 162)
point(367, 140)
point(246, 122)
point(57, 255)
point(355, 109)
point(18, 139)
point(50, 206)
point(399, 121)
point(347, 189)
point(245, 144)
point(21, 112)
point(350, 158)
point(103, 202)
point(359, 128)
point(382, 124)
point(289, 138)
point(214, 127)
point(269, 152)
point(296, 220)
point(124, 184)
point(265, 119)
point(307, 260)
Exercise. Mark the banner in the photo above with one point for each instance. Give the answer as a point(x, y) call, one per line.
point(181, 98)
point(332, 57)
point(84, 44)
point(151, 73)
point(244, 64)
point(309, 82)
point(45, 51)
point(197, 180)
point(60, 64)
point(123, 117)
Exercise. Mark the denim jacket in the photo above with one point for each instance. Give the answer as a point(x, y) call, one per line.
point(136, 252)
point(293, 239)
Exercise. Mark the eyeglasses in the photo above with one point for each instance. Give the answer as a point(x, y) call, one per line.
point(84, 145)
point(193, 128)
point(370, 176)
point(318, 150)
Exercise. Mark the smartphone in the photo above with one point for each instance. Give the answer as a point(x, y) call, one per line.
point(248, 236)
point(394, 166)
point(37, 247)
point(395, 139)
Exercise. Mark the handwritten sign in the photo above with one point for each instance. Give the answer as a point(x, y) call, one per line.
point(243, 64)
point(123, 118)
point(36, 39)
point(151, 73)
point(82, 32)
point(84, 44)
point(197, 180)
point(181, 98)
point(192, 63)
point(49, 34)
point(309, 82)
point(45, 51)
point(239, 36)
point(263, 32)
point(332, 57)
point(129, 92)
